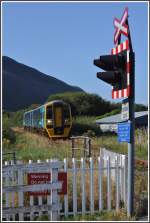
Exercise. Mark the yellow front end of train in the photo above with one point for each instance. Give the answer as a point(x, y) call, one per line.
point(58, 119)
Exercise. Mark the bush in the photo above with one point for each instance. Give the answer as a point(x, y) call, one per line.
point(8, 134)
point(84, 125)
point(85, 104)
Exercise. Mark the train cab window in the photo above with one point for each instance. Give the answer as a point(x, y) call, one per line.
point(66, 113)
point(49, 114)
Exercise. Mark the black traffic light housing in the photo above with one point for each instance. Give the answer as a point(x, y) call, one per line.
point(115, 67)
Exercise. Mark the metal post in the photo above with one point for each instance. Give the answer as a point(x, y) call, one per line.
point(14, 157)
point(72, 147)
point(84, 147)
point(130, 197)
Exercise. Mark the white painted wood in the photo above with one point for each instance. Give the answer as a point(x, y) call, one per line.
point(83, 185)
point(117, 182)
point(54, 194)
point(74, 186)
point(12, 183)
point(36, 208)
point(31, 201)
point(20, 187)
point(7, 204)
point(125, 181)
point(20, 194)
point(100, 181)
point(66, 195)
point(35, 187)
point(121, 180)
point(35, 166)
point(91, 186)
point(31, 205)
point(39, 197)
point(41, 167)
point(108, 184)
point(48, 196)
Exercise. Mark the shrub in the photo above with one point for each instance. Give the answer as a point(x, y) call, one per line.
point(8, 134)
point(85, 104)
point(84, 125)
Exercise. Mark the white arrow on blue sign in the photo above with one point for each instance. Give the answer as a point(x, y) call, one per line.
point(124, 132)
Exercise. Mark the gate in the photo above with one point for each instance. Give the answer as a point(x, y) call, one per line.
point(17, 203)
point(93, 185)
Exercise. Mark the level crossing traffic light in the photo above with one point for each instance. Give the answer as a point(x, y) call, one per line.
point(117, 70)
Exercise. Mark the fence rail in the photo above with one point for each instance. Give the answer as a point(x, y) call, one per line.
point(93, 185)
point(15, 188)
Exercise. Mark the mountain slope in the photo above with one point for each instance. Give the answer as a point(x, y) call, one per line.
point(23, 85)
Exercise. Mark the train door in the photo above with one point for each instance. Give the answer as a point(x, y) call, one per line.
point(58, 119)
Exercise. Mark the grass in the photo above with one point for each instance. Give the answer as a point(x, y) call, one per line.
point(33, 146)
point(30, 146)
point(102, 216)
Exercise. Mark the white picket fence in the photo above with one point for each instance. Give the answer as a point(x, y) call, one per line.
point(93, 185)
point(15, 188)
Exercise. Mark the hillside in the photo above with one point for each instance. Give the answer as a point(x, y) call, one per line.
point(24, 85)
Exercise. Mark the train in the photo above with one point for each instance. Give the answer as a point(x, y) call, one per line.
point(53, 119)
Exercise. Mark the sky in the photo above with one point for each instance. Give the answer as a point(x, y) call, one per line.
point(63, 39)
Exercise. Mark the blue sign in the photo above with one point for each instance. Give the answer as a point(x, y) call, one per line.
point(124, 130)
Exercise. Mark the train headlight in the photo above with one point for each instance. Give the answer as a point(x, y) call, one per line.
point(67, 121)
point(49, 121)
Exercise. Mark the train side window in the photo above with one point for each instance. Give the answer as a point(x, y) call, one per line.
point(49, 114)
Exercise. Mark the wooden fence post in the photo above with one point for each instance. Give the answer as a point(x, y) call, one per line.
point(12, 184)
point(7, 183)
point(121, 179)
point(91, 186)
point(54, 194)
point(125, 181)
point(48, 196)
point(74, 186)
point(40, 196)
point(117, 182)
point(31, 200)
point(108, 184)
point(20, 194)
point(100, 182)
point(83, 185)
point(66, 195)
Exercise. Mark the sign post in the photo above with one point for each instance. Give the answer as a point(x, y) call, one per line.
point(125, 110)
point(122, 26)
point(120, 74)
point(130, 198)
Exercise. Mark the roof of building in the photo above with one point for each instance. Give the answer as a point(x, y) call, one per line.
point(140, 118)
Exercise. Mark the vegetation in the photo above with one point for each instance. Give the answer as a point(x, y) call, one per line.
point(102, 216)
point(34, 147)
point(114, 112)
point(31, 146)
point(8, 134)
point(85, 125)
point(84, 104)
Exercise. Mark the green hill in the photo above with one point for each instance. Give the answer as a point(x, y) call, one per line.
point(24, 85)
